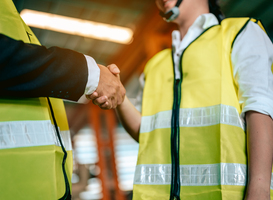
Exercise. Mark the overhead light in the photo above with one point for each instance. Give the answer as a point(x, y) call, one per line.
point(76, 26)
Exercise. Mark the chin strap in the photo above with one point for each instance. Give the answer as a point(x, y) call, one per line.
point(172, 13)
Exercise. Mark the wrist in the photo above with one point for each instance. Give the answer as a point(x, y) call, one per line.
point(120, 106)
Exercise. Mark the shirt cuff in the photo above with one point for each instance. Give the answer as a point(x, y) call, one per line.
point(93, 75)
point(261, 105)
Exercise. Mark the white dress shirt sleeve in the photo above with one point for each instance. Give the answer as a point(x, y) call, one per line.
point(252, 58)
point(93, 75)
point(93, 79)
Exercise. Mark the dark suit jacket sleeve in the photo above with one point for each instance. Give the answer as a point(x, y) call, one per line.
point(28, 70)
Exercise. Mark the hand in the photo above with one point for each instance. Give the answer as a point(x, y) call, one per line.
point(110, 92)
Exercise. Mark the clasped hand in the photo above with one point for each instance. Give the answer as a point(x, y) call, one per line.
point(110, 92)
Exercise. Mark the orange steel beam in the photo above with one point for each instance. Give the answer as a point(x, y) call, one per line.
point(111, 125)
point(104, 123)
point(94, 119)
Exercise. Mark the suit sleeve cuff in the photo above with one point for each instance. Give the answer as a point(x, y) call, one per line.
point(93, 75)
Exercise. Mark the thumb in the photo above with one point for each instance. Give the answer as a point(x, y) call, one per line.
point(113, 69)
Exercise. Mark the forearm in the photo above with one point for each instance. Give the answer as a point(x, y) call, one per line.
point(130, 118)
point(28, 70)
point(260, 154)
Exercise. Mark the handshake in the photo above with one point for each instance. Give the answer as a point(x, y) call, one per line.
point(110, 92)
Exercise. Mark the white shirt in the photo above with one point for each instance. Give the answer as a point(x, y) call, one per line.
point(252, 58)
point(92, 81)
point(93, 75)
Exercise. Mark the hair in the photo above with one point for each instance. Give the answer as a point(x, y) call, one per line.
point(214, 8)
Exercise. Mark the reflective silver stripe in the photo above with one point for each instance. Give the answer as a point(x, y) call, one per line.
point(193, 117)
point(66, 140)
point(193, 175)
point(31, 133)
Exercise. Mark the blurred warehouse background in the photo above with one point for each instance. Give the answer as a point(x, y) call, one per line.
point(104, 154)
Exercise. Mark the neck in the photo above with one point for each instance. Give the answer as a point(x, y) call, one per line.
point(183, 27)
point(189, 13)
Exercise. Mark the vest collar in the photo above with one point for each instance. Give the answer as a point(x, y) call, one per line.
point(202, 22)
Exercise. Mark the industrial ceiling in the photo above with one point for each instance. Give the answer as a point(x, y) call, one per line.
point(139, 15)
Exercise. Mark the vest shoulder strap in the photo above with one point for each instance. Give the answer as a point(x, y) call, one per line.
point(12, 25)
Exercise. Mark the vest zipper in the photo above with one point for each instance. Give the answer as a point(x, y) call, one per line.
point(175, 129)
point(175, 137)
point(67, 195)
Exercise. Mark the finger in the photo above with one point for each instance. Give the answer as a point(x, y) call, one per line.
point(101, 100)
point(120, 95)
point(114, 102)
point(95, 102)
point(105, 106)
point(94, 95)
point(114, 69)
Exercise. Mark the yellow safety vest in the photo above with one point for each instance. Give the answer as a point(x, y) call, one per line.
point(192, 141)
point(35, 159)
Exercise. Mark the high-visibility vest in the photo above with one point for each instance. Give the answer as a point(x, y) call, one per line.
point(35, 158)
point(192, 141)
